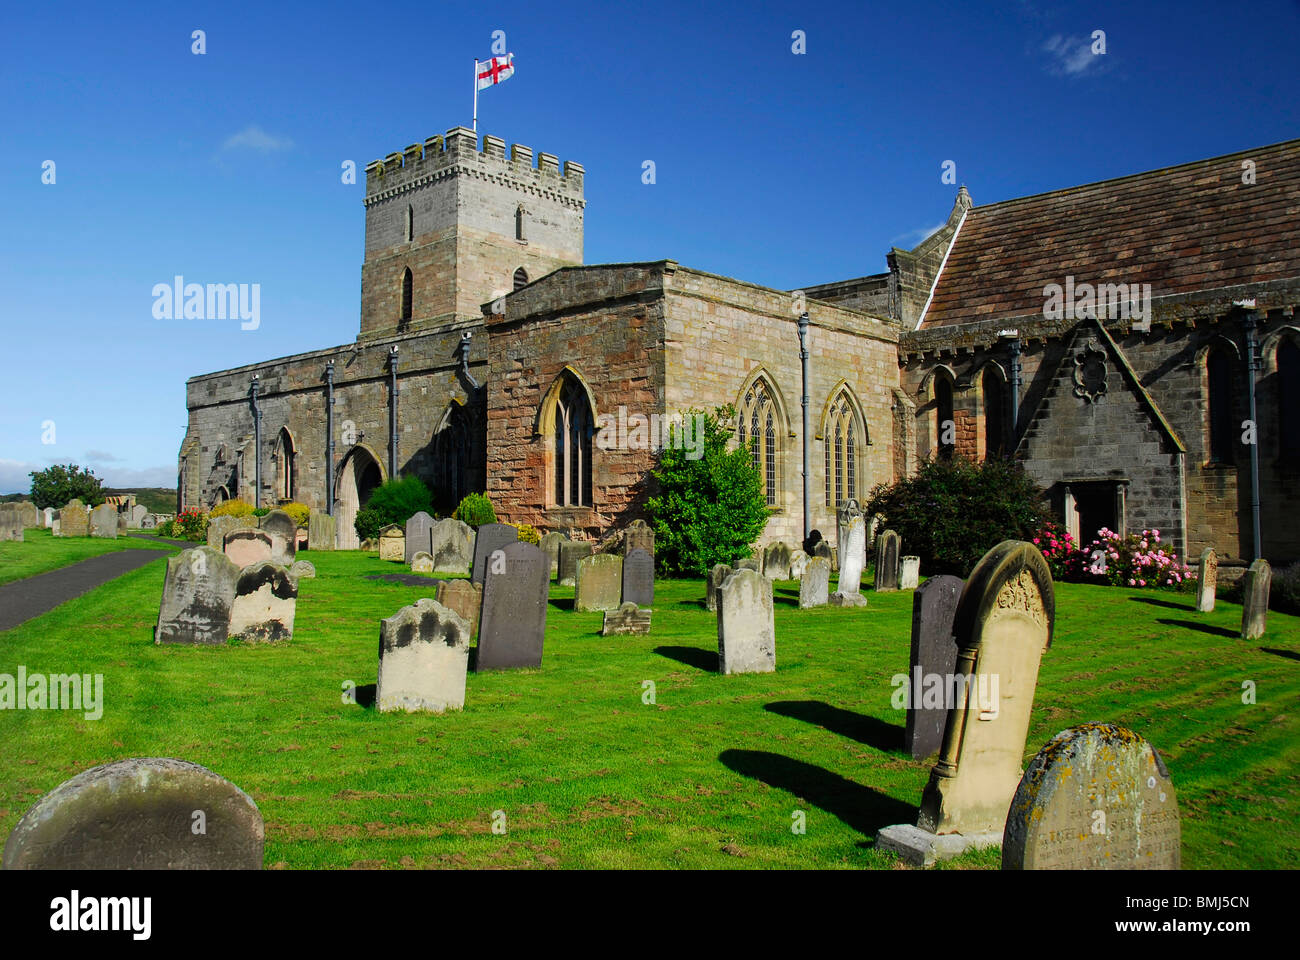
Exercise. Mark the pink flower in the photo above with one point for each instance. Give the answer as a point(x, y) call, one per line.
point(1131, 582)
point(1142, 583)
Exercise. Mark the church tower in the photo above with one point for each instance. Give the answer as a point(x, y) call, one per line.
point(450, 227)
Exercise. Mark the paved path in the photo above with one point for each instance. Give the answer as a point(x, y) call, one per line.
point(24, 599)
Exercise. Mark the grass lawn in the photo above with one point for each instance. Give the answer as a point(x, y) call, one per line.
point(587, 775)
point(41, 552)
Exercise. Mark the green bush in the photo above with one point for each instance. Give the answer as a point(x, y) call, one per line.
point(954, 511)
point(396, 501)
point(368, 524)
point(261, 511)
point(476, 510)
point(58, 485)
point(706, 510)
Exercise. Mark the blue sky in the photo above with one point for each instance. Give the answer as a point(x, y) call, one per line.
point(772, 167)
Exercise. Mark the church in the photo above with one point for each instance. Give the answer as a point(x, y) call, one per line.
point(1112, 337)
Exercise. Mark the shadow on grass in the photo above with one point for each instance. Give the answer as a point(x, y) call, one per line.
point(562, 603)
point(1202, 627)
point(1289, 654)
point(862, 808)
point(701, 604)
point(866, 730)
point(706, 660)
point(1164, 603)
point(788, 601)
point(365, 694)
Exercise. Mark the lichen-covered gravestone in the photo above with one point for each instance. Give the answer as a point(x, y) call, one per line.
point(798, 564)
point(491, 538)
point(392, 544)
point(1096, 797)
point(514, 609)
point(815, 583)
point(746, 633)
point(198, 592)
point(419, 536)
point(320, 531)
point(1207, 580)
point(303, 570)
point(911, 573)
point(11, 524)
point(103, 521)
point(28, 514)
point(823, 549)
point(451, 542)
point(848, 592)
point(266, 598)
point(1254, 591)
point(931, 663)
point(246, 547)
point(599, 583)
point(627, 620)
point(888, 547)
point(284, 536)
point(639, 536)
point(423, 658)
point(462, 596)
point(74, 520)
point(776, 561)
point(421, 563)
point(220, 527)
point(844, 516)
point(639, 578)
point(716, 576)
point(151, 813)
point(749, 563)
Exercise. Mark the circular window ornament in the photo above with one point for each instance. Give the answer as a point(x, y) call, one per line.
point(1090, 372)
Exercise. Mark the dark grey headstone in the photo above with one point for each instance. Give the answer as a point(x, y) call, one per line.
point(571, 551)
point(198, 592)
point(719, 573)
point(933, 661)
point(639, 578)
point(419, 536)
point(491, 537)
point(889, 547)
point(515, 594)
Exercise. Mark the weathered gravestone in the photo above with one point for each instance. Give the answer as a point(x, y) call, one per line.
point(514, 609)
point(266, 598)
point(421, 563)
point(719, 573)
point(320, 531)
point(911, 574)
point(198, 593)
point(815, 583)
point(749, 563)
point(122, 527)
point(931, 666)
point(844, 516)
point(139, 815)
point(54, 526)
point(1207, 580)
point(491, 538)
point(599, 583)
point(1003, 624)
point(47, 518)
point(823, 549)
point(1096, 797)
point(888, 547)
point(423, 658)
point(570, 553)
point(776, 561)
point(246, 547)
point(284, 536)
point(28, 515)
point(746, 633)
point(220, 527)
point(627, 620)
point(11, 524)
point(639, 536)
point(849, 591)
point(451, 542)
point(1254, 592)
point(798, 564)
point(419, 536)
point(138, 513)
point(639, 578)
point(462, 596)
point(550, 546)
point(103, 521)
point(392, 544)
point(74, 520)
point(303, 570)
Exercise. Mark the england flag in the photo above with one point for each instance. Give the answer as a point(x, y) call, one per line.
point(491, 72)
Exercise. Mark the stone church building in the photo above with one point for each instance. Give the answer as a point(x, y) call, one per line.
point(488, 353)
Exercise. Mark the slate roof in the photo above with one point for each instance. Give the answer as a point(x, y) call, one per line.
point(1181, 229)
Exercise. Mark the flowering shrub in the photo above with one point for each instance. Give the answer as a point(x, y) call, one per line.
point(232, 508)
point(191, 525)
point(1136, 560)
point(528, 533)
point(1059, 550)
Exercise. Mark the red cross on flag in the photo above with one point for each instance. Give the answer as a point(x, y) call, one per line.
point(492, 72)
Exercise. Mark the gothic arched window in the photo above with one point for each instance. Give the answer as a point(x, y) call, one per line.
point(521, 278)
point(410, 223)
point(407, 295)
point(573, 429)
point(521, 219)
point(760, 430)
point(1288, 398)
point(284, 465)
point(840, 436)
point(452, 455)
point(946, 425)
point(1218, 377)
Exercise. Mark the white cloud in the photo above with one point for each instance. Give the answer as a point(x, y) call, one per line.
point(100, 456)
point(256, 139)
point(913, 237)
point(13, 476)
point(1069, 56)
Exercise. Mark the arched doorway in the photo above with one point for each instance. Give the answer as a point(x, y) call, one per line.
point(359, 475)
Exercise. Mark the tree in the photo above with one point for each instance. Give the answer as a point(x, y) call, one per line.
point(59, 484)
point(707, 510)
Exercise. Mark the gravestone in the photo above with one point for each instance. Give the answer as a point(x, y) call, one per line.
point(303, 570)
point(284, 536)
point(639, 578)
point(103, 521)
point(719, 573)
point(54, 526)
point(138, 513)
point(74, 520)
point(462, 596)
point(491, 538)
point(932, 662)
point(122, 527)
point(749, 563)
point(844, 516)
point(198, 592)
point(911, 574)
point(888, 547)
point(639, 536)
point(776, 561)
point(849, 591)
point(451, 542)
point(423, 658)
point(627, 620)
point(266, 597)
point(571, 552)
point(219, 527)
point(1207, 580)
point(1254, 592)
point(419, 536)
point(320, 531)
point(798, 564)
point(599, 583)
point(815, 583)
point(47, 518)
point(550, 546)
point(421, 563)
point(1096, 797)
point(514, 610)
point(28, 515)
point(746, 633)
point(11, 524)
point(392, 544)
point(139, 815)
point(246, 547)
point(823, 549)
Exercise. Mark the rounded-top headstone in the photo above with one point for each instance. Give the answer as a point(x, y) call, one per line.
point(151, 813)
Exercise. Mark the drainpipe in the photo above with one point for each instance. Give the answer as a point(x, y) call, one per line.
point(807, 454)
point(1013, 336)
point(1252, 368)
point(464, 357)
point(257, 448)
point(329, 438)
point(392, 412)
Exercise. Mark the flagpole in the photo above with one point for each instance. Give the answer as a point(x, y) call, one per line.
point(476, 95)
